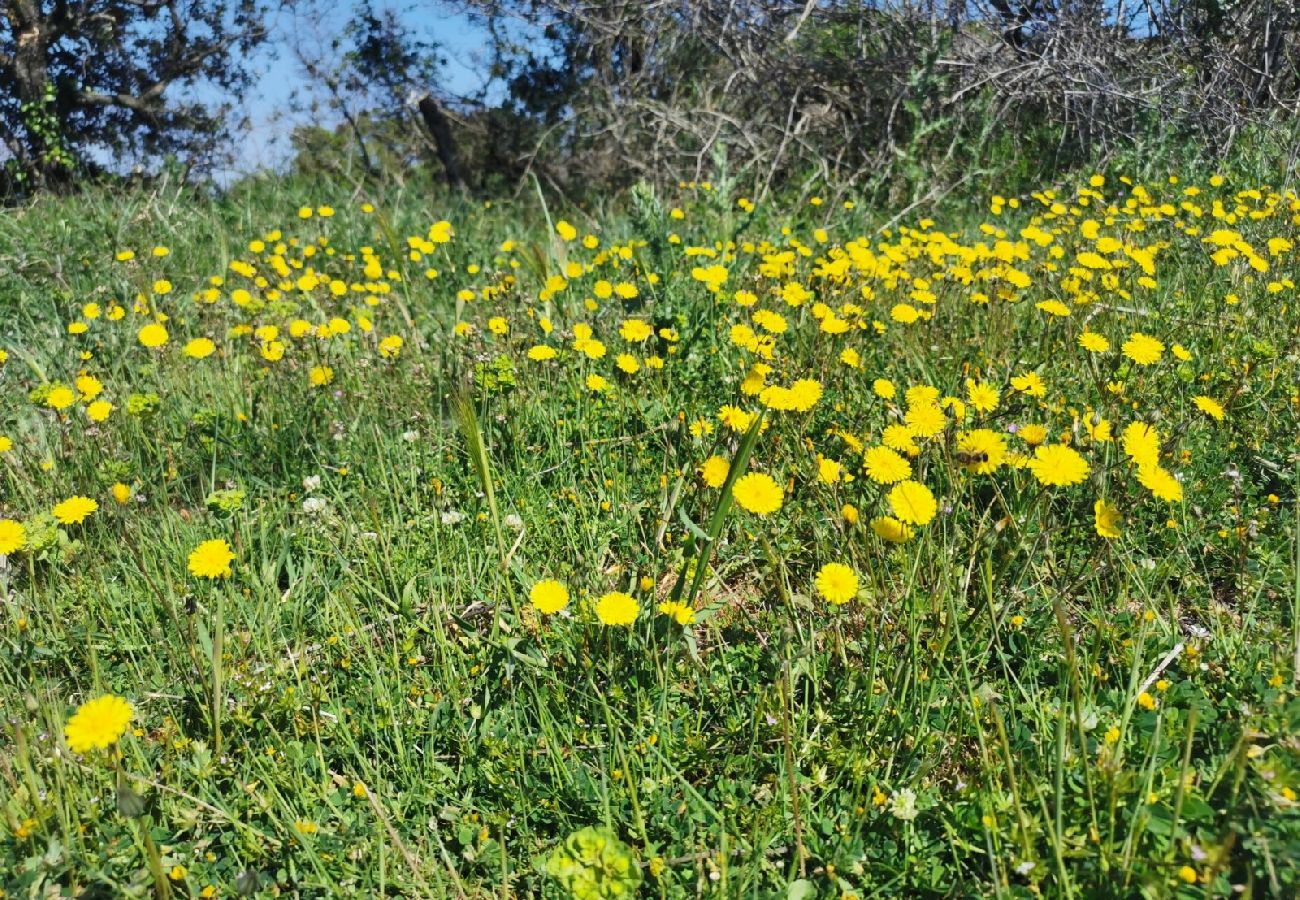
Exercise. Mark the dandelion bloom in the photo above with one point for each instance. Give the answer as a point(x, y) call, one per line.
point(887, 528)
point(1143, 349)
point(1209, 406)
point(617, 608)
point(837, 583)
point(1030, 383)
point(1033, 434)
point(1161, 483)
point(927, 419)
point(714, 471)
point(121, 493)
point(758, 493)
point(99, 410)
point(1093, 343)
point(678, 612)
point(981, 451)
point(885, 466)
point(152, 335)
point(1058, 465)
point(1107, 520)
point(211, 559)
point(13, 537)
point(60, 397)
point(74, 510)
point(912, 502)
point(548, 597)
point(199, 348)
point(804, 394)
point(1141, 443)
point(983, 396)
point(541, 353)
point(98, 724)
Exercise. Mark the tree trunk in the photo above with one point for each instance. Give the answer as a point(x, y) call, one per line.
point(440, 128)
point(40, 126)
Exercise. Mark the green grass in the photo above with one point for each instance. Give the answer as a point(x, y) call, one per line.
point(370, 705)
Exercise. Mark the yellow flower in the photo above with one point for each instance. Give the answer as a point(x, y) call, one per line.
point(983, 396)
point(890, 529)
point(912, 503)
point(1143, 349)
point(1093, 343)
point(1209, 406)
point(541, 353)
point(1187, 874)
point(926, 419)
point(121, 493)
point(758, 493)
point(98, 724)
point(89, 387)
point(837, 583)
point(1107, 520)
point(1141, 443)
point(714, 471)
point(1030, 383)
point(99, 410)
point(12, 536)
point(1160, 482)
point(152, 335)
point(74, 510)
point(981, 451)
point(678, 612)
point(617, 608)
point(548, 597)
point(635, 330)
point(319, 376)
point(828, 470)
point(211, 559)
point(1033, 434)
point(61, 397)
point(1058, 465)
point(885, 466)
point(199, 348)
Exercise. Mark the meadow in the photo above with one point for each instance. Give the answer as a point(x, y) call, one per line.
point(686, 546)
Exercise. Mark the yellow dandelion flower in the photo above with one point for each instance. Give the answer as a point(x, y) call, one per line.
point(912, 503)
point(1057, 465)
point(837, 583)
point(757, 493)
point(211, 559)
point(885, 466)
point(548, 597)
point(74, 510)
point(1107, 520)
point(98, 724)
point(617, 608)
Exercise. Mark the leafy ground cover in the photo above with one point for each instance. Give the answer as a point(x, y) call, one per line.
point(690, 548)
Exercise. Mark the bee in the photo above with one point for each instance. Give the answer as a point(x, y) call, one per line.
point(971, 457)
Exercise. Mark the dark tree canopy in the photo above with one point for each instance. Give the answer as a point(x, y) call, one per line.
point(92, 84)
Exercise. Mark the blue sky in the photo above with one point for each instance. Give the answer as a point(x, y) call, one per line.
point(279, 74)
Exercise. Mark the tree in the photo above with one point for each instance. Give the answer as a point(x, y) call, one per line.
point(94, 84)
point(404, 68)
